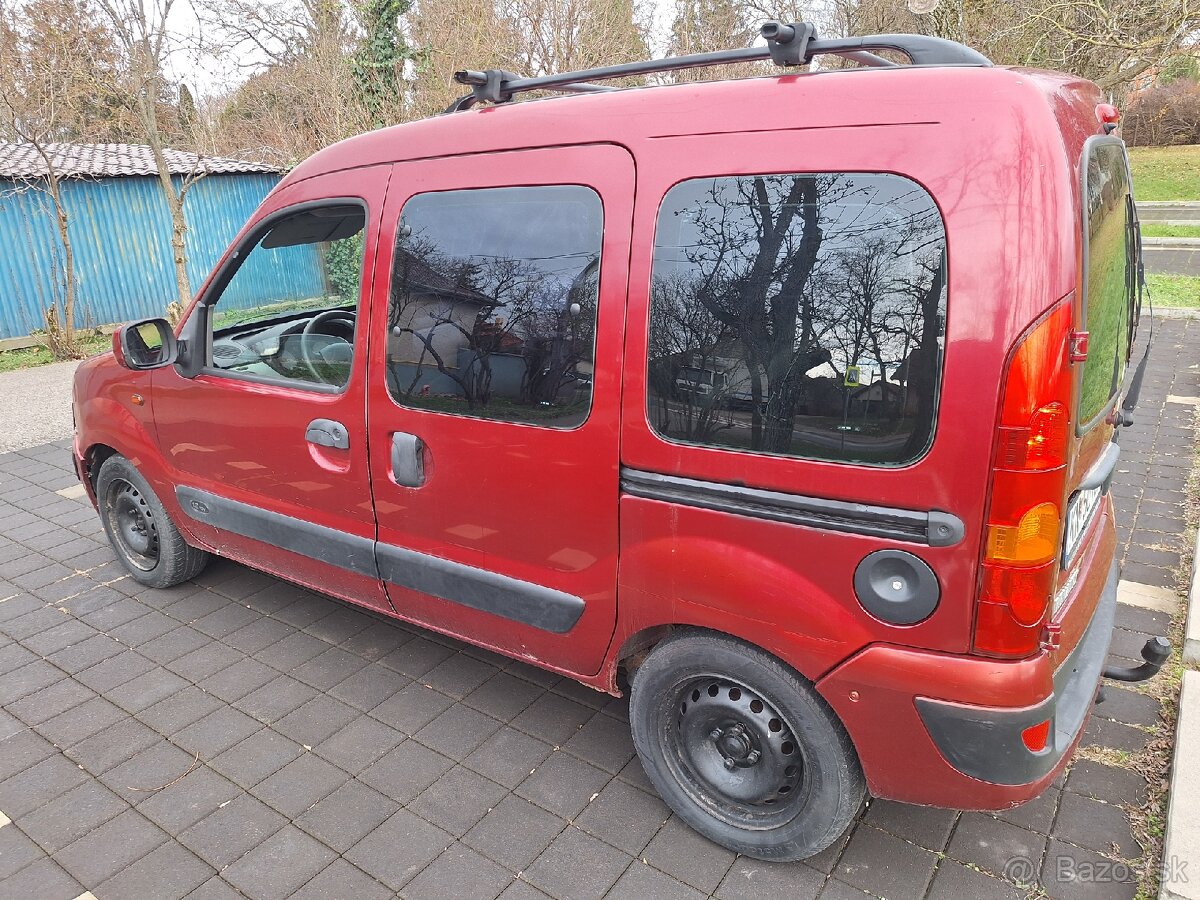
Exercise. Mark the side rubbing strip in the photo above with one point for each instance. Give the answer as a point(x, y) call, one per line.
point(935, 529)
point(346, 551)
point(521, 601)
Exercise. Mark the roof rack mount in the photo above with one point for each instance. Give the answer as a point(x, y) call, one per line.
point(787, 45)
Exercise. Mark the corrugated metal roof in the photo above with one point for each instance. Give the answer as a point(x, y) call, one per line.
point(112, 160)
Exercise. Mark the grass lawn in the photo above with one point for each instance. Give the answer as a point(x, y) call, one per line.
point(1160, 229)
point(89, 344)
point(1175, 290)
point(1166, 173)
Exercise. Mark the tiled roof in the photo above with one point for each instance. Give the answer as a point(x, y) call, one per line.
point(109, 160)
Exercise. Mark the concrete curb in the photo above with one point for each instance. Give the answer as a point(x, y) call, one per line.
point(1173, 312)
point(1191, 634)
point(1173, 243)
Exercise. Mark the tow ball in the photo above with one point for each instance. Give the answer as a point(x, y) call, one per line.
point(1155, 652)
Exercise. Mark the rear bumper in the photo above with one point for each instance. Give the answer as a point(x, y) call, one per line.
point(986, 743)
point(918, 746)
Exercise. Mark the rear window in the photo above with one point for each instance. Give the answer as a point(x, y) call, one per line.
point(1109, 278)
point(798, 315)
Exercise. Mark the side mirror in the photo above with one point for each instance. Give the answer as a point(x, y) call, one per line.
point(149, 344)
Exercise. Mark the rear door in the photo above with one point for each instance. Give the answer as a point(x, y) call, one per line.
point(494, 397)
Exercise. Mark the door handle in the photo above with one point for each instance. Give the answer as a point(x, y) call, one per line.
point(327, 433)
point(408, 459)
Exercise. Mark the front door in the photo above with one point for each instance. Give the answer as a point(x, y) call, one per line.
point(268, 441)
point(494, 397)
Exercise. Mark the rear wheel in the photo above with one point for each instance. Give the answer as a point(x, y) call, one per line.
point(743, 748)
point(139, 529)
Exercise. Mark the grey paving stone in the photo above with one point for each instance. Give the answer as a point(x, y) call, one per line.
point(226, 620)
point(369, 686)
point(316, 720)
point(885, 865)
point(624, 816)
point(508, 756)
point(329, 667)
point(580, 693)
point(16, 852)
point(21, 751)
point(406, 771)
point(563, 784)
point(175, 713)
point(274, 597)
point(926, 826)
point(514, 833)
point(216, 732)
point(258, 635)
point(275, 699)
point(458, 731)
point(15, 607)
point(300, 784)
point(459, 675)
point(1072, 873)
point(232, 830)
point(577, 865)
point(238, 680)
point(412, 708)
point(682, 853)
point(504, 696)
point(243, 583)
point(1128, 706)
point(115, 671)
point(954, 881)
point(342, 623)
point(457, 800)
point(35, 708)
point(553, 718)
point(347, 815)
point(377, 641)
point(146, 689)
point(1108, 783)
point(173, 645)
point(457, 873)
point(603, 741)
point(636, 775)
point(1036, 815)
point(279, 866)
point(417, 656)
point(751, 879)
point(358, 744)
point(144, 628)
point(194, 605)
point(1095, 825)
point(14, 656)
point(39, 784)
point(182, 804)
point(261, 754)
point(9, 725)
point(340, 880)
point(86, 654)
point(43, 879)
point(641, 880)
point(399, 848)
point(28, 679)
point(305, 610)
point(990, 844)
point(168, 872)
point(71, 816)
point(207, 660)
point(1115, 735)
point(105, 851)
point(148, 771)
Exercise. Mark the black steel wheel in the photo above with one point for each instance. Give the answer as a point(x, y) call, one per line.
point(131, 523)
point(743, 748)
point(140, 530)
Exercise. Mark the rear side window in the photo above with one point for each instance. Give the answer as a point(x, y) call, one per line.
point(1109, 277)
point(798, 315)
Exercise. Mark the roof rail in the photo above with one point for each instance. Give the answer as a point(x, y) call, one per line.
point(786, 45)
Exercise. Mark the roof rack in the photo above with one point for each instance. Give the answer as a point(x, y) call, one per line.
point(787, 45)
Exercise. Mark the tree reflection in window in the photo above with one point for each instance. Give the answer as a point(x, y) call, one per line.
point(493, 303)
point(800, 315)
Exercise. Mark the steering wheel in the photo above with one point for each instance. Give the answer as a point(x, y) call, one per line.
point(311, 327)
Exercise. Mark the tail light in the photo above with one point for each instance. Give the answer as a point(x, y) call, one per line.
point(1024, 518)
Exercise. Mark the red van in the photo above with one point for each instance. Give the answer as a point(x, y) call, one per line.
point(789, 402)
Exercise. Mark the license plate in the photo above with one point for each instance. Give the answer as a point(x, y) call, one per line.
point(1081, 509)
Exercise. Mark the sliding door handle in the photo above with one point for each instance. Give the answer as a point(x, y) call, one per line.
point(327, 433)
point(408, 459)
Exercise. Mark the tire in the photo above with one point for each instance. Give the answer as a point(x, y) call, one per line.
point(743, 748)
point(141, 533)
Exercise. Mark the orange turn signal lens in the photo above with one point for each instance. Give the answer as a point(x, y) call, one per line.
point(1031, 542)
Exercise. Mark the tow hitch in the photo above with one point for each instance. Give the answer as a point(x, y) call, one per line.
point(1155, 652)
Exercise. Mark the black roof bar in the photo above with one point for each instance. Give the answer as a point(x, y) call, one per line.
point(786, 45)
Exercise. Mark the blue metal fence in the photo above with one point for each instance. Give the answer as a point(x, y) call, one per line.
point(121, 236)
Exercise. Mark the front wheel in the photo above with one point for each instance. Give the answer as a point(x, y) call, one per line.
point(742, 748)
point(139, 529)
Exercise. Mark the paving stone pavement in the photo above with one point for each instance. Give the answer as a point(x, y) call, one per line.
point(241, 736)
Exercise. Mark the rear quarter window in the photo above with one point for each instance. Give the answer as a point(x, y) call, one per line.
point(798, 315)
point(1109, 275)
